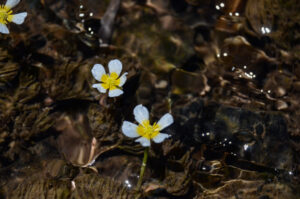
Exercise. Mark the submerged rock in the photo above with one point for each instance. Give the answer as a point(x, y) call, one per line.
point(256, 136)
point(84, 186)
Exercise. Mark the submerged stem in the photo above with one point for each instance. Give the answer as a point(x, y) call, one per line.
point(143, 168)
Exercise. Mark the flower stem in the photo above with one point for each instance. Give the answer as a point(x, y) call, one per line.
point(139, 184)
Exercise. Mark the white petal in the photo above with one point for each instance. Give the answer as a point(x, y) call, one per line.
point(99, 87)
point(140, 113)
point(165, 121)
point(3, 29)
point(115, 93)
point(144, 141)
point(160, 137)
point(129, 129)
point(123, 79)
point(115, 66)
point(11, 3)
point(97, 71)
point(19, 18)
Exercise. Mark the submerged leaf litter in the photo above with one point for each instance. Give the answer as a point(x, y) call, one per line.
point(227, 71)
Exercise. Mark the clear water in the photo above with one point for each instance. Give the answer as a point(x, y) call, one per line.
point(228, 72)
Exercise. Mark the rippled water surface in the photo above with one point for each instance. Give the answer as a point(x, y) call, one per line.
point(228, 71)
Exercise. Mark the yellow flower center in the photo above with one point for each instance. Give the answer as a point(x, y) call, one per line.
point(5, 14)
point(147, 130)
point(111, 81)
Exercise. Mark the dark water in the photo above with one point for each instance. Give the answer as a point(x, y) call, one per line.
point(228, 71)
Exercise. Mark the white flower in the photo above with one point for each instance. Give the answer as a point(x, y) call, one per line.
point(145, 130)
point(6, 15)
point(111, 82)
